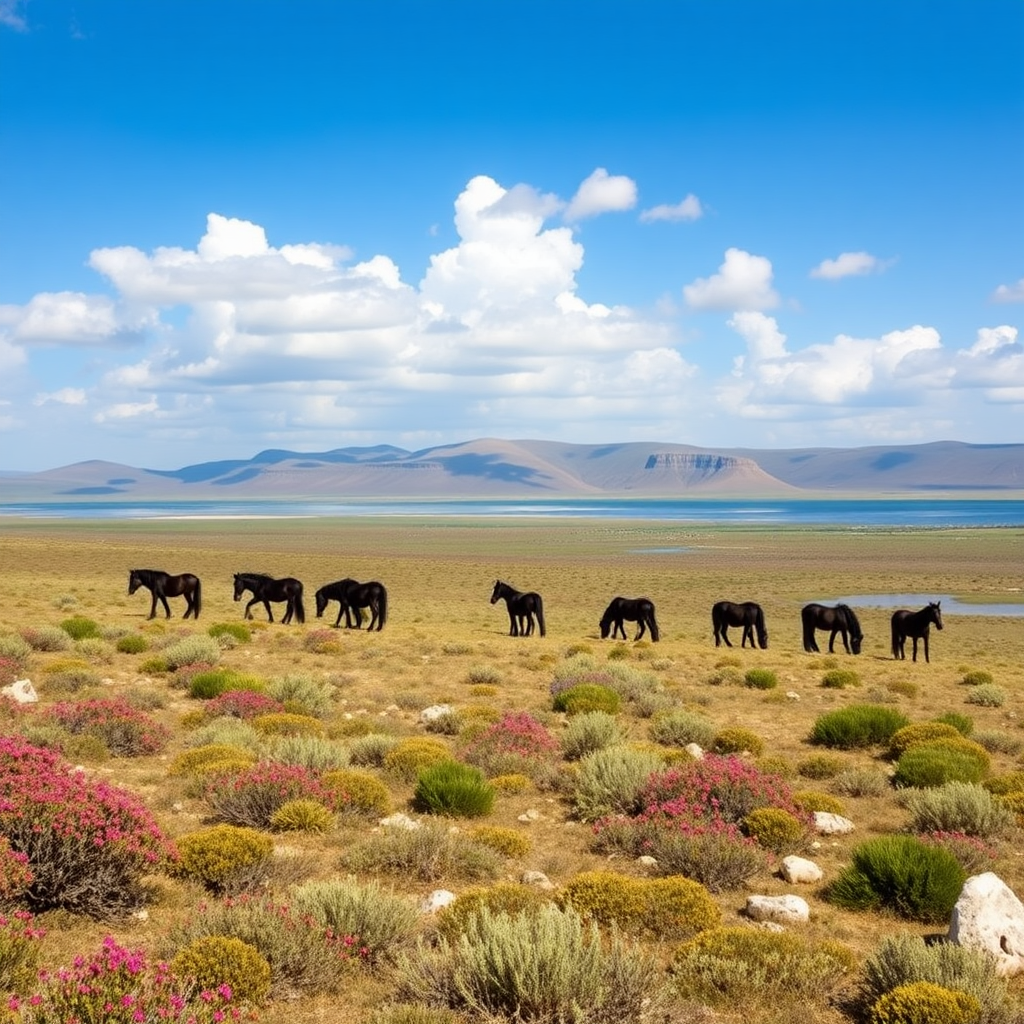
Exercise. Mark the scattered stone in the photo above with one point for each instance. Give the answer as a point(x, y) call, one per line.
point(829, 824)
point(21, 692)
point(989, 916)
point(798, 869)
point(792, 695)
point(647, 861)
point(400, 820)
point(434, 712)
point(141, 915)
point(695, 750)
point(788, 909)
point(537, 879)
point(531, 815)
point(437, 900)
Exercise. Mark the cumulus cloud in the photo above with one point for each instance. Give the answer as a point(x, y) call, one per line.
point(1009, 292)
point(73, 318)
point(601, 193)
point(63, 396)
point(687, 209)
point(849, 264)
point(743, 282)
point(995, 361)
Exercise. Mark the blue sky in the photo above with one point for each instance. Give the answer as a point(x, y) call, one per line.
point(227, 225)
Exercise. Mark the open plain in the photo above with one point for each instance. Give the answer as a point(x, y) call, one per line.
point(445, 644)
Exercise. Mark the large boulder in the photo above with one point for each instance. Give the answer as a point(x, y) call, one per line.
point(989, 916)
point(797, 869)
point(780, 909)
point(22, 692)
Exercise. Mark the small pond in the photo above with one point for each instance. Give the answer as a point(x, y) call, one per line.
point(950, 605)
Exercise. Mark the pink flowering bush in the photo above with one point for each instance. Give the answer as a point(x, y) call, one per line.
point(11, 669)
point(126, 731)
point(87, 843)
point(120, 986)
point(517, 744)
point(243, 704)
point(15, 874)
point(19, 951)
point(251, 796)
point(974, 855)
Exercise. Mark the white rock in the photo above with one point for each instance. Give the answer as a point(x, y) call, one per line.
point(537, 879)
point(799, 869)
point(792, 695)
point(434, 712)
point(989, 916)
point(437, 900)
point(695, 750)
point(647, 861)
point(400, 820)
point(21, 692)
point(788, 909)
point(829, 824)
point(531, 815)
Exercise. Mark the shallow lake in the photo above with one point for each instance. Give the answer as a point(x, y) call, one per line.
point(950, 605)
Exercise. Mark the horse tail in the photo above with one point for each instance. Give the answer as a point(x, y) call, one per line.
point(895, 638)
point(762, 632)
point(655, 635)
point(300, 610)
point(807, 616)
point(198, 606)
point(540, 616)
point(382, 609)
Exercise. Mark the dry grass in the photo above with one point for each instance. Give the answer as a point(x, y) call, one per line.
point(442, 634)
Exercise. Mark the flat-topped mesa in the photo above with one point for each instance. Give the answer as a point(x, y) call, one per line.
point(701, 461)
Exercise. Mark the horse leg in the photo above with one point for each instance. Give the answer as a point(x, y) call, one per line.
point(270, 613)
point(924, 640)
point(152, 607)
point(167, 607)
point(725, 636)
point(341, 610)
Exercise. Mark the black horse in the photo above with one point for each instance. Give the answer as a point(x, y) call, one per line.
point(639, 610)
point(748, 615)
point(521, 609)
point(162, 586)
point(267, 589)
point(915, 625)
point(352, 596)
point(839, 619)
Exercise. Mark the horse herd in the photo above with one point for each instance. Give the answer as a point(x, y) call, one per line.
point(526, 610)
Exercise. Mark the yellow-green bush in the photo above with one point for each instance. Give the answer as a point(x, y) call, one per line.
point(411, 755)
point(920, 732)
point(922, 1002)
point(360, 792)
point(666, 908)
point(192, 762)
point(512, 784)
point(736, 740)
point(288, 724)
point(814, 800)
point(936, 762)
point(223, 857)
point(509, 898)
point(1008, 782)
point(1015, 802)
point(509, 842)
point(775, 829)
point(220, 960)
point(302, 816)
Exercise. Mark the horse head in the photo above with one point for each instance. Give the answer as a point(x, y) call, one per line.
point(321, 602)
point(134, 581)
point(762, 638)
point(496, 594)
point(933, 607)
point(239, 586)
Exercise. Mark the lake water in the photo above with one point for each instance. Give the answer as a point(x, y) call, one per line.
point(914, 513)
point(912, 602)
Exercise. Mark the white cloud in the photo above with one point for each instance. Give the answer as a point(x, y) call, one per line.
point(127, 411)
point(850, 264)
point(73, 318)
point(601, 193)
point(687, 209)
point(995, 361)
point(11, 16)
point(743, 282)
point(1009, 292)
point(64, 396)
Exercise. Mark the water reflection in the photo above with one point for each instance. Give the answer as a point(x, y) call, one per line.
point(950, 605)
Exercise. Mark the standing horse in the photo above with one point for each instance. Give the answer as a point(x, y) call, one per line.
point(839, 619)
point(267, 589)
point(639, 610)
point(521, 609)
point(352, 596)
point(748, 615)
point(915, 625)
point(161, 586)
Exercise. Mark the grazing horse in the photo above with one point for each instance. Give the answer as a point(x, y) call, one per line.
point(915, 625)
point(352, 596)
point(521, 609)
point(748, 615)
point(267, 589)
point(639, 610)
point(839, 619)
point(162, 586)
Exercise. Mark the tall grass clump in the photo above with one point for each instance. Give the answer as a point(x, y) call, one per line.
point(453, 789)
point(958, 807)
point(942, 761)
point(857, 726)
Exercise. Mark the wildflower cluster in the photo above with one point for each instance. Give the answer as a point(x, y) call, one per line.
point(126, 731)
point(251, 796)
point(243, 704)
point(19, 951)
point(15, 874)
point(516, 744)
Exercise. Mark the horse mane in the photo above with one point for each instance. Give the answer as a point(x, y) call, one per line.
point(254, 575)
point(851, 616)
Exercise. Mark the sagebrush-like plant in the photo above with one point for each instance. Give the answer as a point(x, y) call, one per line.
point(224, 858)
point(860, 782)
point(986, 695)
point(286, 724)
point(371, 750)
point(312, 752)
point(680, 728)
point(133, 643)
point(589, 731)
point(610, 781)
point(976, 677)
point(191, 650)
point(45, 638)
point(508, 898)
point(303, 694)
point(958, 807)
point(820, 766)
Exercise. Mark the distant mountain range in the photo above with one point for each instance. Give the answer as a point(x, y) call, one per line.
point(490, 468)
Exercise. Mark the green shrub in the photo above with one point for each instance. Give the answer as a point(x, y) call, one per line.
point(286, 724)
point(859, 725)
point(509, 842)
point(610, 781)
point(942, 761)
point(587, 697)
point(409, 757)
point(812, 800)
point(920, 732)
point(737, 740)
point(454, 789)
point(958, 807)
point(976, 677)
point(963, 724)
point(903, 874)
point(381, 919)
point(133, 643)
point(210, 684)
point(192, 650)
point(987, 696)
point(840, 678)
point(238, 631)
point(680, 728)
point(308, 696)
point(224, 858)
point(508, 898)
point(588, 732)
point(737, 964)
point(358, 792)
point(155, 666)
point(820, 766)
point(1008, 782)
point(371, 750)
point(78, 627)
point(922, 1002)
point(760, 679)
point(217, 960)
point(302, 816)
point(775, 829)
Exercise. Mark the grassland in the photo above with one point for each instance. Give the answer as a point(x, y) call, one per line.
point(441, 632)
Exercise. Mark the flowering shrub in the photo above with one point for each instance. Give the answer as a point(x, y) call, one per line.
point(15, 874)
point(251, 797)
point(87, 843)
point(119, 986)
point(47, 638)
point(217, 961)
point(126, 731)
point(516, 744)
point(19, 951)
point(242, 704)
point(321, 641)
point(973, 854)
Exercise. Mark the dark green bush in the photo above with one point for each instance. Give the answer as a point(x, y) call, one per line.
point(942, 761)
point(963, 724)
point(840, 678)
point(760, 679)
point(455, 789)
point(237, 630)
point(133, 643)
point(859, 725)
point(78, 627)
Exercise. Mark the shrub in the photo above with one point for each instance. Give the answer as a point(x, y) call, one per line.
point(217, 960)
point(244, 704)
point(942, 761)
point(88, 843)
point(963, 724)
point(285, 724)
point(958, 807)
point(860, 782)
point(995, 741)
point(587, 697)
point(302, 816)
point(126, 731)
point(1008, 782)
point(309, 696)
point(760, 679)
point(224, 858)
point(238, 631)
point(508, 898)
point(409, 757)
point(976, 677)
point(775, 829)
point(737, 740)
point(250, 797)
point(358, 792)
point(484, 675)
point(516, 744)
point(211, 683)
point(15, 875)
point(922, 1002)
point(610, 781)
point(914, 879)
point(509, 842)
point(859, 725)
point(192, 650)
point(312, 752)
point(228, 731)
point(987, 696)
point(974, 855)
point(133, 643)
point(46, 638)
point(840, 678)
point(19, 951)
point(545, 966)
point(589, 731)
point(371, 751)
point(381, 919)
point(69, 676)
point(78, 627)
point(820, 766)
point(512, 784)
point(454, 789)
point(920, 732)
point(679, 728)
